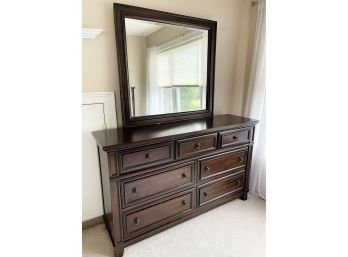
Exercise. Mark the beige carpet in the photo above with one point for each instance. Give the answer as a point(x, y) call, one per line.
point(236, 229)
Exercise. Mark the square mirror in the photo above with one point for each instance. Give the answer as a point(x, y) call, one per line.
point(166, 65)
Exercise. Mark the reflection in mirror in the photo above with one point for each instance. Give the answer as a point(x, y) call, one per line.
point(167, 67)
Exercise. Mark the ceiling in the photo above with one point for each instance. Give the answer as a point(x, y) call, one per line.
point(141, 28)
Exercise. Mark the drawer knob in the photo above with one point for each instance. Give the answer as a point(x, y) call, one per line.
point(207, 169)
point(148, 156)
point(136, 221)
point(235, 137)
point(183, 203)
point(205, 194)
point(134, 190)
point(241, 159)
point(238, 182)
point(183, 175)
point(197, 146)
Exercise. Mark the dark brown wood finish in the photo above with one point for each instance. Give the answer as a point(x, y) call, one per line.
point(125, 138)
point(145, 157)
point(221, 187)
point(197, 145)
point(157, 214)
point(141, 187)
point(222, 163)
point(121, 12)
point(155, 177)
point(147, 197)
point(234, 137)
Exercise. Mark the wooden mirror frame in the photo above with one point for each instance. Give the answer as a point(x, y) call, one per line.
point(121, 12)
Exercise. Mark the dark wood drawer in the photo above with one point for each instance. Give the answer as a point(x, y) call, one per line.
point(144, 157)
point(223, 187)
point(153, 216)
point(138, 188)
point(192, 146)
point(222, 163)
point(235, 137)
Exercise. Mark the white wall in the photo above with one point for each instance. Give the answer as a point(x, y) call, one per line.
point(136, 50)
point(92, 119)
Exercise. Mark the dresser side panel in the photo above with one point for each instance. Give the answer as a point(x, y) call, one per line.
point(106, 191)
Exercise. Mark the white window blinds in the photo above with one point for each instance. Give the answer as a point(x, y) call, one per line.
point(181, 65)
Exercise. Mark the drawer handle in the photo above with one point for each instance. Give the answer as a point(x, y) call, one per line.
point(238, 182)
point(183, 203)
point(136, 221)
point(207, 169)
point(205, 194)
point(197, 146)
point(241, 159)
point(235, 137)
point(183, 175)
point(148, 156)
point(134, 190)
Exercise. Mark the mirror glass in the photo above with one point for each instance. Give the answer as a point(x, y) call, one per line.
point(167, 67)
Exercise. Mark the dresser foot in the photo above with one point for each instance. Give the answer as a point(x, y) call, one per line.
point(118, 251)
point(244, 196)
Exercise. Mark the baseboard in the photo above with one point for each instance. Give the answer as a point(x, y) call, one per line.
point(92, 222)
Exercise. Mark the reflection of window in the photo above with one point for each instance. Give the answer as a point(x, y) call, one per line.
point(181, 75)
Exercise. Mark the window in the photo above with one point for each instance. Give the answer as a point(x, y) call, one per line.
point(181, 75)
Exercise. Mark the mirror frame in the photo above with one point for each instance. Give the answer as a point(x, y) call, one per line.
point(121, 12)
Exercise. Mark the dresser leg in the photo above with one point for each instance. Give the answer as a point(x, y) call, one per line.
point(118, 251)
point(244, 196)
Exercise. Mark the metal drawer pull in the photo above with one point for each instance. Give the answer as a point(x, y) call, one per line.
point(207, 169)
point(183, 175)
point(235, 137)
point(183, 203)
point(134, 190)
point(241, 159)
point(205, 194)
point(197, 146)
point(136, 221)
point(238, 182)
point(148, 156)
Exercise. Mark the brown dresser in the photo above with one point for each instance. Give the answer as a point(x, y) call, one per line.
point(155, 177)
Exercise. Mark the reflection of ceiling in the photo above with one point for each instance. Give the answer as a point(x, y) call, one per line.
point(141, 28)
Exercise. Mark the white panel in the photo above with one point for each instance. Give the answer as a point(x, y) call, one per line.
point(98, 113)
point(92, 119)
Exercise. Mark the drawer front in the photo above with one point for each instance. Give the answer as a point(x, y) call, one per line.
point(146, 186)
point(235, 137)
point(219, 164)
point(192, 146)
point(221, 188)
point(153, 215)
point(145, 157)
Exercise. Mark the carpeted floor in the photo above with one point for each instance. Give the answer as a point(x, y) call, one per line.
point(236, 229)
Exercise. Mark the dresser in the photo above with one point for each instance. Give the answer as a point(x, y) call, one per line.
point(155, 177)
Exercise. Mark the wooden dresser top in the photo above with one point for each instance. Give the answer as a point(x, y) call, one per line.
point(113, 139)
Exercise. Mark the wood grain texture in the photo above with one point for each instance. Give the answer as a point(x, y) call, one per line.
point(213, 191)
point(114, 139)
point(145, 186)
point(156, 213)
point(139, 158)
point(222, 163)
point(145, 197)
point(234, 137)
point(196, 145)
